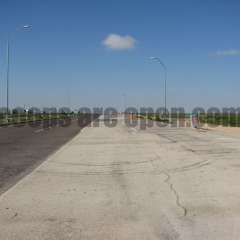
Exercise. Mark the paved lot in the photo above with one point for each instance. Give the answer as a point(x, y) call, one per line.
point(123, 183)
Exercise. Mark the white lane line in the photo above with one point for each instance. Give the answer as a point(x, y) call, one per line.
point(42, 129)
point(39, 130)
point(133, 130)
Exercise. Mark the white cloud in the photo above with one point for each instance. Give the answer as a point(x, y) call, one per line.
point(118, 42)
point(230, 52)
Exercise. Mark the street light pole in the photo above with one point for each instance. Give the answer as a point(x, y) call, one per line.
point(124, 102)
point(158, 60)
point(8, 71)
point(8, 66)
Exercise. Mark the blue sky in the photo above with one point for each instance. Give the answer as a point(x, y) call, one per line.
point(63, 59)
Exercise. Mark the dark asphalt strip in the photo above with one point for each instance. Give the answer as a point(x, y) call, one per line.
point(23, 148)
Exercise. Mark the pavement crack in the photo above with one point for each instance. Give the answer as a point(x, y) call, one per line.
point(174, 191)
point(15, 215)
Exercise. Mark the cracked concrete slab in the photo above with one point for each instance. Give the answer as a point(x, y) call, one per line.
point(121, 183)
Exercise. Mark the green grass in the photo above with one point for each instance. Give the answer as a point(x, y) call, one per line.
point(224, 119)
point(154, 117)
point(26, 118)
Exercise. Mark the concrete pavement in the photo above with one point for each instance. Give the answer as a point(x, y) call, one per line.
point(122, 183)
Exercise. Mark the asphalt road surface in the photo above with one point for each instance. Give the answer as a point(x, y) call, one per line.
point(123, 183)
point(24, 147)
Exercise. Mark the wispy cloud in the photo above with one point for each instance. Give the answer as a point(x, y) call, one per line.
point(226, 53)
point(118, 42)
